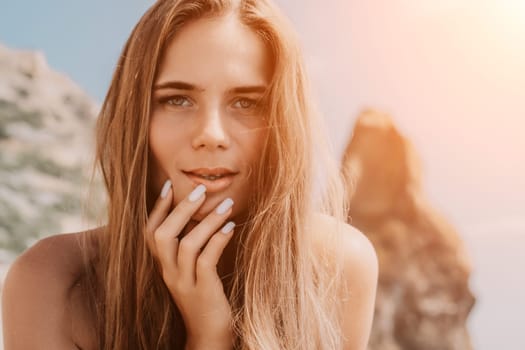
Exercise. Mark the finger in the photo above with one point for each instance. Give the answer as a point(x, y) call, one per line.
point(165, 236)
point(158, 213)
point(209, 258)
point(191, 245)
point(160, 208)
point(183, 211)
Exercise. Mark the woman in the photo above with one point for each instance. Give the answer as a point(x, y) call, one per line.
point(207, 124)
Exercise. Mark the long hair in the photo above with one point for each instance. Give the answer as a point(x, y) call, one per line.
point(287, 279)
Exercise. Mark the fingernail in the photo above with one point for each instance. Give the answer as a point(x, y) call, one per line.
point(165, 189)
point(197, 193)
point(228, 227)
point(224, 206)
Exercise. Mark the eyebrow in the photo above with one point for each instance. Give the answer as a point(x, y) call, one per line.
point(180, 85)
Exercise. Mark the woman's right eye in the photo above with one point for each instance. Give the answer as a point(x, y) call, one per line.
point(177, 101)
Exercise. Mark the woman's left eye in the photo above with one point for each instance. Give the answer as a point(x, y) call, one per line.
point(245, 103)
point(176, 101)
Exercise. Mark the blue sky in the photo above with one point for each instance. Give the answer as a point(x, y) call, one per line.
point(450, 72)
point(451, 75)
point(80, 38)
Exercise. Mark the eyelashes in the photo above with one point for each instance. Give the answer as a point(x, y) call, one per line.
point(182, 101)
point(179, 100)
point(246, 103)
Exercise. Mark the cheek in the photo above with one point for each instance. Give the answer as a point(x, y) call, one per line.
point(158, 136)
point(253, 144)
point(252, 156)
point(163, 139)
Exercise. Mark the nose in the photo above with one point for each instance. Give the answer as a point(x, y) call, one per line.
point(211, 132)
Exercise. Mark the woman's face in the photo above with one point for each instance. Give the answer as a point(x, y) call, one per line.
point(205, 120)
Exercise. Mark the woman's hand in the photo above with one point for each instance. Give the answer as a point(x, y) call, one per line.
point(189, 265)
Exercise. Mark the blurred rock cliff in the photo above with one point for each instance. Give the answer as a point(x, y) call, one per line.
point(46, 145)
point(423, 298)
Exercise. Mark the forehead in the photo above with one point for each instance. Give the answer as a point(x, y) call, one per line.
point(215, 52)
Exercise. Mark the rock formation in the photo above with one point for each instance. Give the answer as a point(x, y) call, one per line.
point(423, 298)
point(46, 124)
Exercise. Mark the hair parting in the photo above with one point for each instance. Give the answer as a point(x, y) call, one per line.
point(285, 283)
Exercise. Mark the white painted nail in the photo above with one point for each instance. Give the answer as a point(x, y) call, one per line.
point(228, 227)
point(197, 193)
point(224, 206)
point(165, 189)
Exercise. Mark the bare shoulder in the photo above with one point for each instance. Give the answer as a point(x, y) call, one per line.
point(36, 294)
point(58, 256)
point(360, 255)
point(360, 272)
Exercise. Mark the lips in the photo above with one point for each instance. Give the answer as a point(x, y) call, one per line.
point(211, 171)
point(215, 179)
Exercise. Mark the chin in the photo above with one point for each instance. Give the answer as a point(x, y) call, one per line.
point(199, 216)
point(206, 208)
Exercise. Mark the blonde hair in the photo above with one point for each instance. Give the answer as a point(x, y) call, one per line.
point(287, 280)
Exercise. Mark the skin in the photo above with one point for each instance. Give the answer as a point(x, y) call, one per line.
point(44, 305)
point(210, 124)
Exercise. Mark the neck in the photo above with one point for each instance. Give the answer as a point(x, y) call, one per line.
point(227, 261)
point(226, 264)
